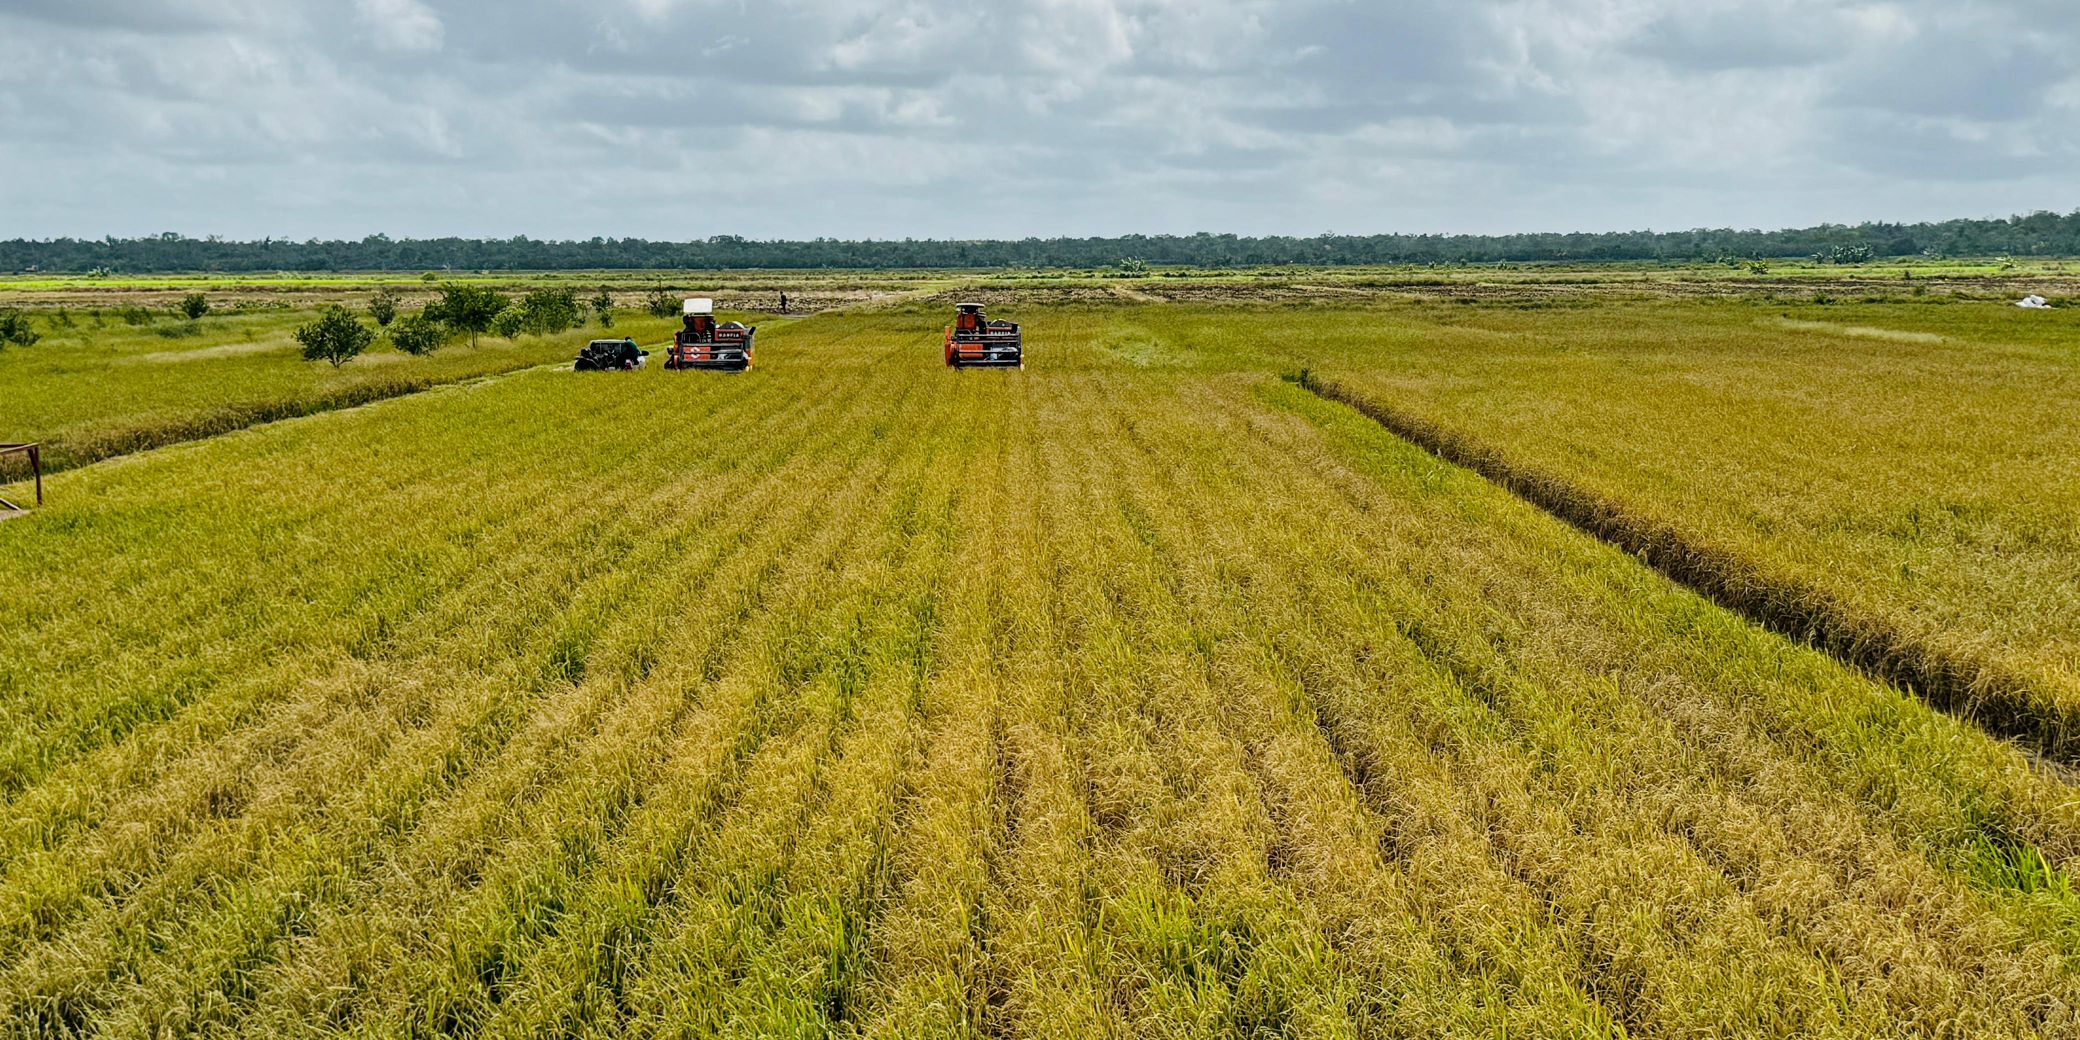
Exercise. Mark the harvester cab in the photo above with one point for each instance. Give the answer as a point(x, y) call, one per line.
point(974, 341)
point(705, 343)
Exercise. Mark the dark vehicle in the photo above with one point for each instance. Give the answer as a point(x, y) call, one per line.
point(610, 355)
point(705, 344)
point(974, 341)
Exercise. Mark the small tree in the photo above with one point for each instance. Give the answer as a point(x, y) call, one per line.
point(468, 308)
point(335, 337)
point(545, 312)
point(603, 305)
point(418, 335)
point(383, 307)
point(15, 329)
point(195, 305)
point(661, 304)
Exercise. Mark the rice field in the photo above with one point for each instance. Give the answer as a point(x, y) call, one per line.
point(1901, 478)
point(1145, 692)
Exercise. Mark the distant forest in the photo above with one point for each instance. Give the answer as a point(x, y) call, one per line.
point(2037, 235)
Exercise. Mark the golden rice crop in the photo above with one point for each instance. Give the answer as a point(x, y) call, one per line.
point(1140, 693)
point(1893, 479)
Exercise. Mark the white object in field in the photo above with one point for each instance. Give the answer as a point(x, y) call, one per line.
point(700, 306)
point(2034, 303)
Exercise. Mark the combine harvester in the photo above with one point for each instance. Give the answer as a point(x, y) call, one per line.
point(704, 344)
point(974, 341)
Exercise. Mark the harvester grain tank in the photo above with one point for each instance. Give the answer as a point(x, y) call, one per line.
point(706, 344)
point(974, 341)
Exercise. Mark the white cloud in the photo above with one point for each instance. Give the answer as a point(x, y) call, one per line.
point(402, 25)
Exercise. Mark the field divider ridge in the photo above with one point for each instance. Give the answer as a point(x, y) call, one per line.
point(1972, 688)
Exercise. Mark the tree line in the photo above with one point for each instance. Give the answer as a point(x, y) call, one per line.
point(2037, 234)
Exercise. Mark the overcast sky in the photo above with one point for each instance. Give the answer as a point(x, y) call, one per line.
point(938, 118)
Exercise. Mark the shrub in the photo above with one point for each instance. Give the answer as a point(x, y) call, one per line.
point(335, 337)
point(15, 329)
point(383, 307)
point(135, 315)
point(661, 304)
point(195, 305)
point(507, 324)
point(418, 335)
point(1846, 255)
point(603, 305)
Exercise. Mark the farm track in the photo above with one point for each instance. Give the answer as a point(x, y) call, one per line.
point(867, 699)
point(1972, 687)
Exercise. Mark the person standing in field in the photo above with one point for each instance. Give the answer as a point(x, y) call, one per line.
point(783, 303)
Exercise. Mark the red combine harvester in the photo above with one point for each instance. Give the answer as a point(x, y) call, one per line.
point(974, 341)
point(705, 344)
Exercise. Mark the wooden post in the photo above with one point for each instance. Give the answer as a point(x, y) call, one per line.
point(35, 453)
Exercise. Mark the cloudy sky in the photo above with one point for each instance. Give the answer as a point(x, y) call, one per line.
point(960, 118)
